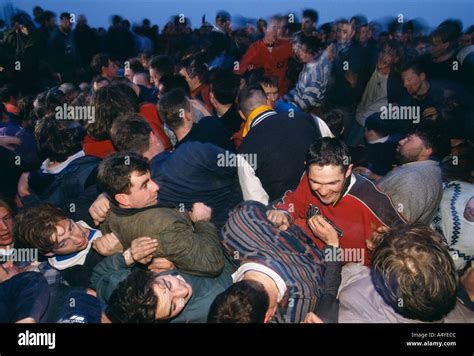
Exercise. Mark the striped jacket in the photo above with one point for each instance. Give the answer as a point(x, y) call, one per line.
point(249, 236)
point(310, 91)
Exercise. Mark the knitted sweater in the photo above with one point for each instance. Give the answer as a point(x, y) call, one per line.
point(449, 220)
point(415, 189)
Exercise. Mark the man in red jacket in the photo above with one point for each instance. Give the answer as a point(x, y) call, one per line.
point(330, 202)
point(270, 53)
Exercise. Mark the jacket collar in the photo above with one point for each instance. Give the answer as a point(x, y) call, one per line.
point(45, 166)
point(256, 116)
point(116, 209)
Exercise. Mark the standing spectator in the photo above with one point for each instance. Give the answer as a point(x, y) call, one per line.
point(270, 53)
point(310, 91)
point(63, 53)
point(86, 41)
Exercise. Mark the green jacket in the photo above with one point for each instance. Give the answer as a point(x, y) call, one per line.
point(108, 274)
point(194, 248)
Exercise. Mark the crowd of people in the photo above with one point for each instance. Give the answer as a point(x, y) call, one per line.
point(286, 172)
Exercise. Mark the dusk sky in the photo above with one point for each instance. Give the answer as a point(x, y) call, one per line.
point(159, 11)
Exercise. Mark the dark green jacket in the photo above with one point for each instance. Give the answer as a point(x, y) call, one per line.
point(108, 274)
point(194, 248)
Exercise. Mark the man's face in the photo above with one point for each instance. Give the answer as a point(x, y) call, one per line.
point(161, 90)
point(173, 293)
point(410, 148)
point(111, 69)
point(51, 22)
point(6, 226)
point(7, 271)
point(438, 47)
point(363, 34)
point(303, 54)
point(327, 182)
point(386, 58)
point(412, 81)
point(193, 83)
point(407, 36)
point(272, 94)
point(143, 191)
point(307, 25)
point(70, 237)
point(421, 48)
point(469, 210)
point(225, 26)
point(344, 33)
point(273, 29)
point(155, 77)
point(65, 23)
point(129, 74)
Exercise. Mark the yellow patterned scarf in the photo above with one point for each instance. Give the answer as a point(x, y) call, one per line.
point(256, 112)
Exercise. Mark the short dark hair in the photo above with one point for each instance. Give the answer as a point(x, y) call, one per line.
point(243, 302)
point(134, 300)
point(172, 106)
point(116, 19)
point(416, 66)
point(99, 78)
point(57, 140)
point(131, 132)
point(448, 31)
point(268, 80)
point(35, 226)
point(100, 60)
point(223, 15)
point(8, 204)
point(224, 85)
point(414, 273)
point(311, 44)
point(162, 64)
point(328, 151)
point(359, 21)
point(54, 98)
point(109, 102)
point(46, 16)
point(375, 123)
point(335, 121)
point(432, 137)
point(115, 172)
point(262, 25)
point(65, 15)
point(195, 68)
point(135, 65)
point(175, 81)
point(311, 14)
point(250, 98)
